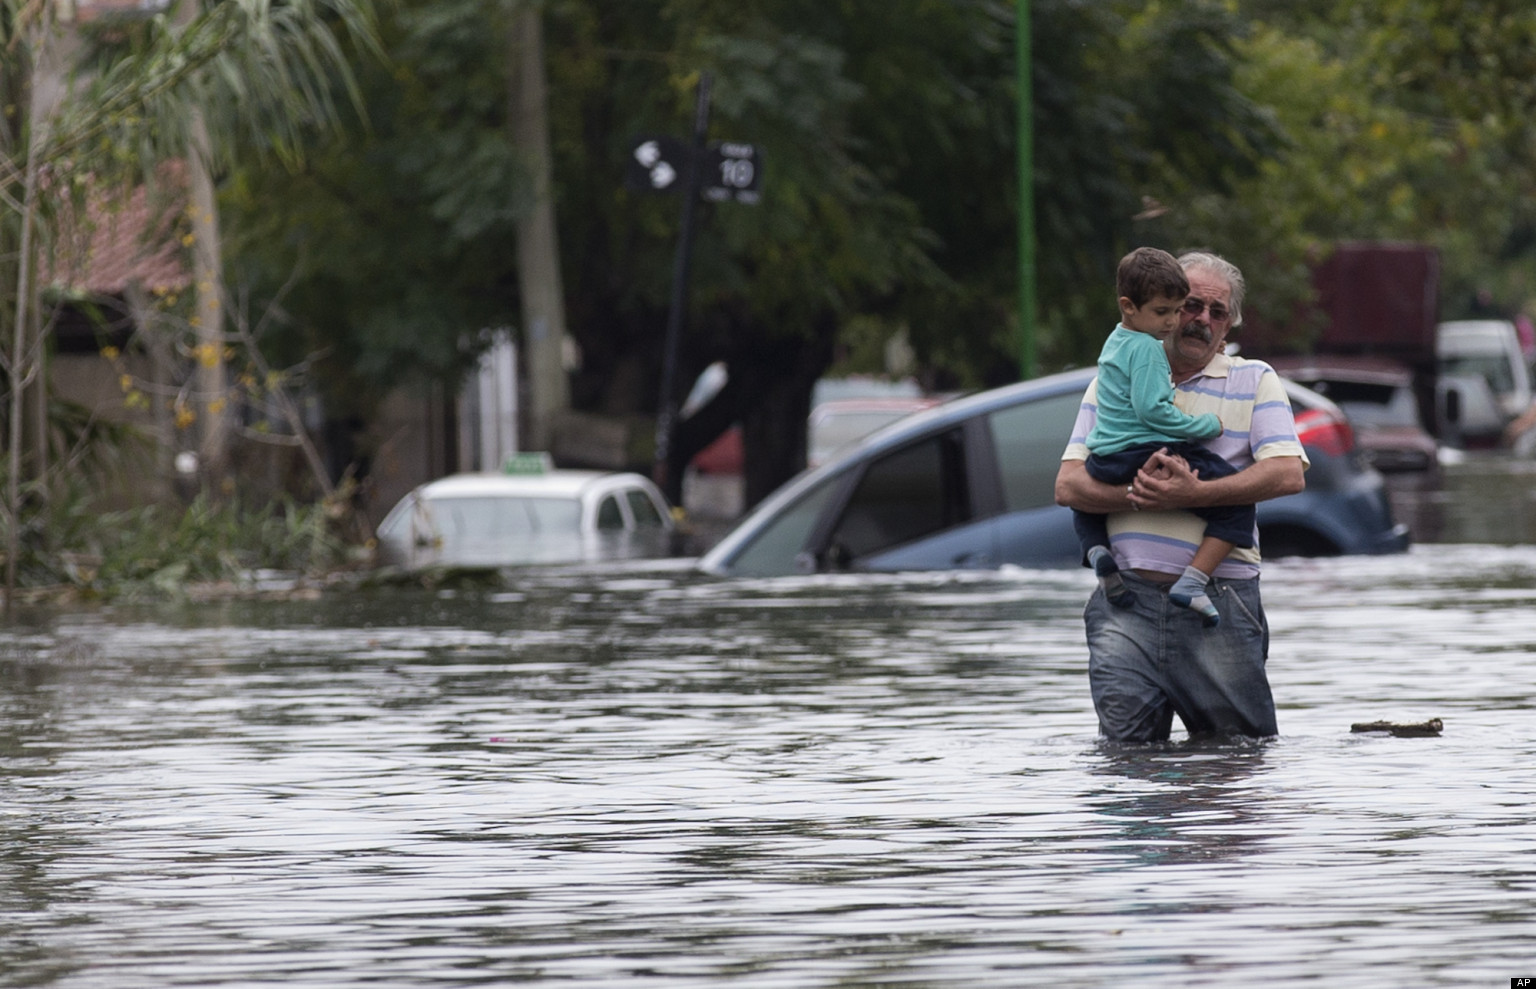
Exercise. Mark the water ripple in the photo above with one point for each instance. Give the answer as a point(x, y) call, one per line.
point(655, 778)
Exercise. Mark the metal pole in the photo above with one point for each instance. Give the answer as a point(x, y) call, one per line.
point(667, 408)
point(1024, 66)
point(538, 241)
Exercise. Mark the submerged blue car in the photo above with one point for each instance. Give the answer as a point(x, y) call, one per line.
point(971, 485)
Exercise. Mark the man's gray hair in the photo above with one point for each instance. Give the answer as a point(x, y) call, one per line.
point(1225, 270)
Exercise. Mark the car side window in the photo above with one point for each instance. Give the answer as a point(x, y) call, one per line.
point(609, 516)
point(643, 509)
point(918, 490)
point(1029, 439)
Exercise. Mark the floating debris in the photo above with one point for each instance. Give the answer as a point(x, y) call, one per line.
point(1417, 729)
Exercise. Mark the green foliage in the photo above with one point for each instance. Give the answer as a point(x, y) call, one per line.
point(159, 551)
point(260, 74)
point(1469, 71)
point(832, 237)
point(1265, 131)
point(395, 238)
point(1409, 120)
point(1139, 115)
point(84, 445)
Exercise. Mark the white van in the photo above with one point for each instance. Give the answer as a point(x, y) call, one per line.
point(1489, 348)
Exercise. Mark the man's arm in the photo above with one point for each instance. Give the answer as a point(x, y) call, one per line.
point(1167, 482)
point(1075, 489)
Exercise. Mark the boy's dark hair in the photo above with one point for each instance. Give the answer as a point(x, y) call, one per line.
point(1147, 273)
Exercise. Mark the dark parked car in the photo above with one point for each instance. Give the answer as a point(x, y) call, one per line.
point(1378, 397)
point(971, 485)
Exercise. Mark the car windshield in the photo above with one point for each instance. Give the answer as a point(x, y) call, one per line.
point(1493, 367)
point(500, 518)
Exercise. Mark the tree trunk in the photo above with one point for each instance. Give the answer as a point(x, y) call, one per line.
point(769, 393)
point(207, 273)
point(773, 431)
point(538, 248)
point(28, 397)
point(162, 367)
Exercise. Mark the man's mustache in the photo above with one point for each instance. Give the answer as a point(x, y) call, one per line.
point(1198, 330)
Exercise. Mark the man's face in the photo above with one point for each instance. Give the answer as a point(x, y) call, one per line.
point(1202, 332)
point(1159, 317)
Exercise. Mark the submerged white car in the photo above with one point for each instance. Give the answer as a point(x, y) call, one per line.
point(490, 520)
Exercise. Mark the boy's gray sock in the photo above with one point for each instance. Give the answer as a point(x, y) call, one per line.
point(1103, 563)
point(1189, 592)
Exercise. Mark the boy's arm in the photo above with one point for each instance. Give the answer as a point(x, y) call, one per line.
point(1152, 399)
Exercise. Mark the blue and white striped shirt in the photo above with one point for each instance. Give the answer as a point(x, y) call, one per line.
point(1249, 399)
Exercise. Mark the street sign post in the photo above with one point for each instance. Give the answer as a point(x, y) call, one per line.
point(666, 411)
point(717, 172)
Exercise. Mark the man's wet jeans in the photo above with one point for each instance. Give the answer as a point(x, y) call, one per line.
point(1153, 660)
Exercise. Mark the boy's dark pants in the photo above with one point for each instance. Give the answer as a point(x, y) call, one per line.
point(1230, 523)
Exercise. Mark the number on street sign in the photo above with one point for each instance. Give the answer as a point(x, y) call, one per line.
point(732, 171)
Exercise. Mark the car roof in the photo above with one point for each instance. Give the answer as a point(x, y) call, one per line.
point(960, 409)
point(561, 483)
point(1494, 327)
point(840, 405)
point(1365, 370)
point(1480, 333)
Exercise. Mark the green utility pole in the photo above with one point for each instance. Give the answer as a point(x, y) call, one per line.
point(1026, 99)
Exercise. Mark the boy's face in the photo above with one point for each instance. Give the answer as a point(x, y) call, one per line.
point(1159, 316)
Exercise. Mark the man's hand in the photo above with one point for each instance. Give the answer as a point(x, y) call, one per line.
point(1167, 482)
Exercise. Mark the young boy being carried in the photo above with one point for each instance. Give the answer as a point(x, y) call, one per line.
point(1136, 417)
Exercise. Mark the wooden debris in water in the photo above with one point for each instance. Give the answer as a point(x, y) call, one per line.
point(1417, 729)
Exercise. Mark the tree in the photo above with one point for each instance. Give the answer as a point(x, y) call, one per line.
point(136, 94)
point(1410, 120)
point(396, 235)
point(1467, 72)
point(404, 231)
point(888, 202)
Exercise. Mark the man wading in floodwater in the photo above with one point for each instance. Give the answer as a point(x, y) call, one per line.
point(1149, 659)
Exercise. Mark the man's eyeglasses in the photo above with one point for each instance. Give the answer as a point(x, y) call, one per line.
point(1194, 307)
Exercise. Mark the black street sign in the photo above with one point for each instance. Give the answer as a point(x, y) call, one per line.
point(729, 171)
point(732, 171)
point(656, 164)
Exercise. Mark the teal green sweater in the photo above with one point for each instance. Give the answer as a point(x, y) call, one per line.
point(1136, 397)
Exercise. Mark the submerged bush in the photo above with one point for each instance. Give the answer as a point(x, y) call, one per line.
point(162, 550)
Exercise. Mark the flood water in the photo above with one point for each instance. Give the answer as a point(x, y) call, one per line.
point(644, 777)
